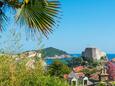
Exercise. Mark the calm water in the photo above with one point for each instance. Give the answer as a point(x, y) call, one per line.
point(50, 61)
point(110, 56)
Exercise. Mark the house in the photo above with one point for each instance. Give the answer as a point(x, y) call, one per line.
point(78, 68)
point(30, 54)
point(94, 76)
point(72, 76)
point(76, 73)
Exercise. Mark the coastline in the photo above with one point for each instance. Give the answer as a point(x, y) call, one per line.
point(50, 61)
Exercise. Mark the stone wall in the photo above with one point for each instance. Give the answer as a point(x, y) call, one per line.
point(93, 53)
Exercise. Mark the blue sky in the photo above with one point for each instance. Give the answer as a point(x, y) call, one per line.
point(84, 23)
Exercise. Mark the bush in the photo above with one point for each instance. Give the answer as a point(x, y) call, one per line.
point(58, 69)
point(14, 73)
point(75, 62)
point(101, 84)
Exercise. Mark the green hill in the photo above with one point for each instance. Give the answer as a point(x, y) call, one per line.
point(50, 52)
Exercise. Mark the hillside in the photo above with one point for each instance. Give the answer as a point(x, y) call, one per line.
point(50, 52)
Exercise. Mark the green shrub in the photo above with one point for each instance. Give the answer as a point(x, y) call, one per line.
point(101, 84)
point(58, 69)
point(14, 73)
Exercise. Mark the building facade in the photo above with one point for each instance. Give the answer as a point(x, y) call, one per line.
point(93, 53)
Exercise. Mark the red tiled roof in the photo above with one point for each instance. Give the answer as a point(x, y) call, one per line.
point(80, 74)
point(78, 69)
point(65, 76)
point(94, 76)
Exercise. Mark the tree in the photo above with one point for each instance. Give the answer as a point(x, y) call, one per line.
point(75, 62)
point(58, 69)
point(36, 14)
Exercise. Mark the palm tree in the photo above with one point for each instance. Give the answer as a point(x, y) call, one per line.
point(36, 14)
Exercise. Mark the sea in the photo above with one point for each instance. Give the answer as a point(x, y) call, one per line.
point(50, 61)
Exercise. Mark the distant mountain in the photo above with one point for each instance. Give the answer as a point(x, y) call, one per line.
point(51, 52)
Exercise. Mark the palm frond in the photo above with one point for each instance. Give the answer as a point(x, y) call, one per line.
point(3, 19)
point(39, 14)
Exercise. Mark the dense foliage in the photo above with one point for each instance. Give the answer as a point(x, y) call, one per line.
point(75, 62)
point(58, 69)
point(50, 52)
point(15, 73)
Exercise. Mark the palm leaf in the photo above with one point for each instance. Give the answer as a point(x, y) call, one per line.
point(3, 19)
point(39, 14)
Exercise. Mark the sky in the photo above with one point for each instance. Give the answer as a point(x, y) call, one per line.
point(84, 23)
